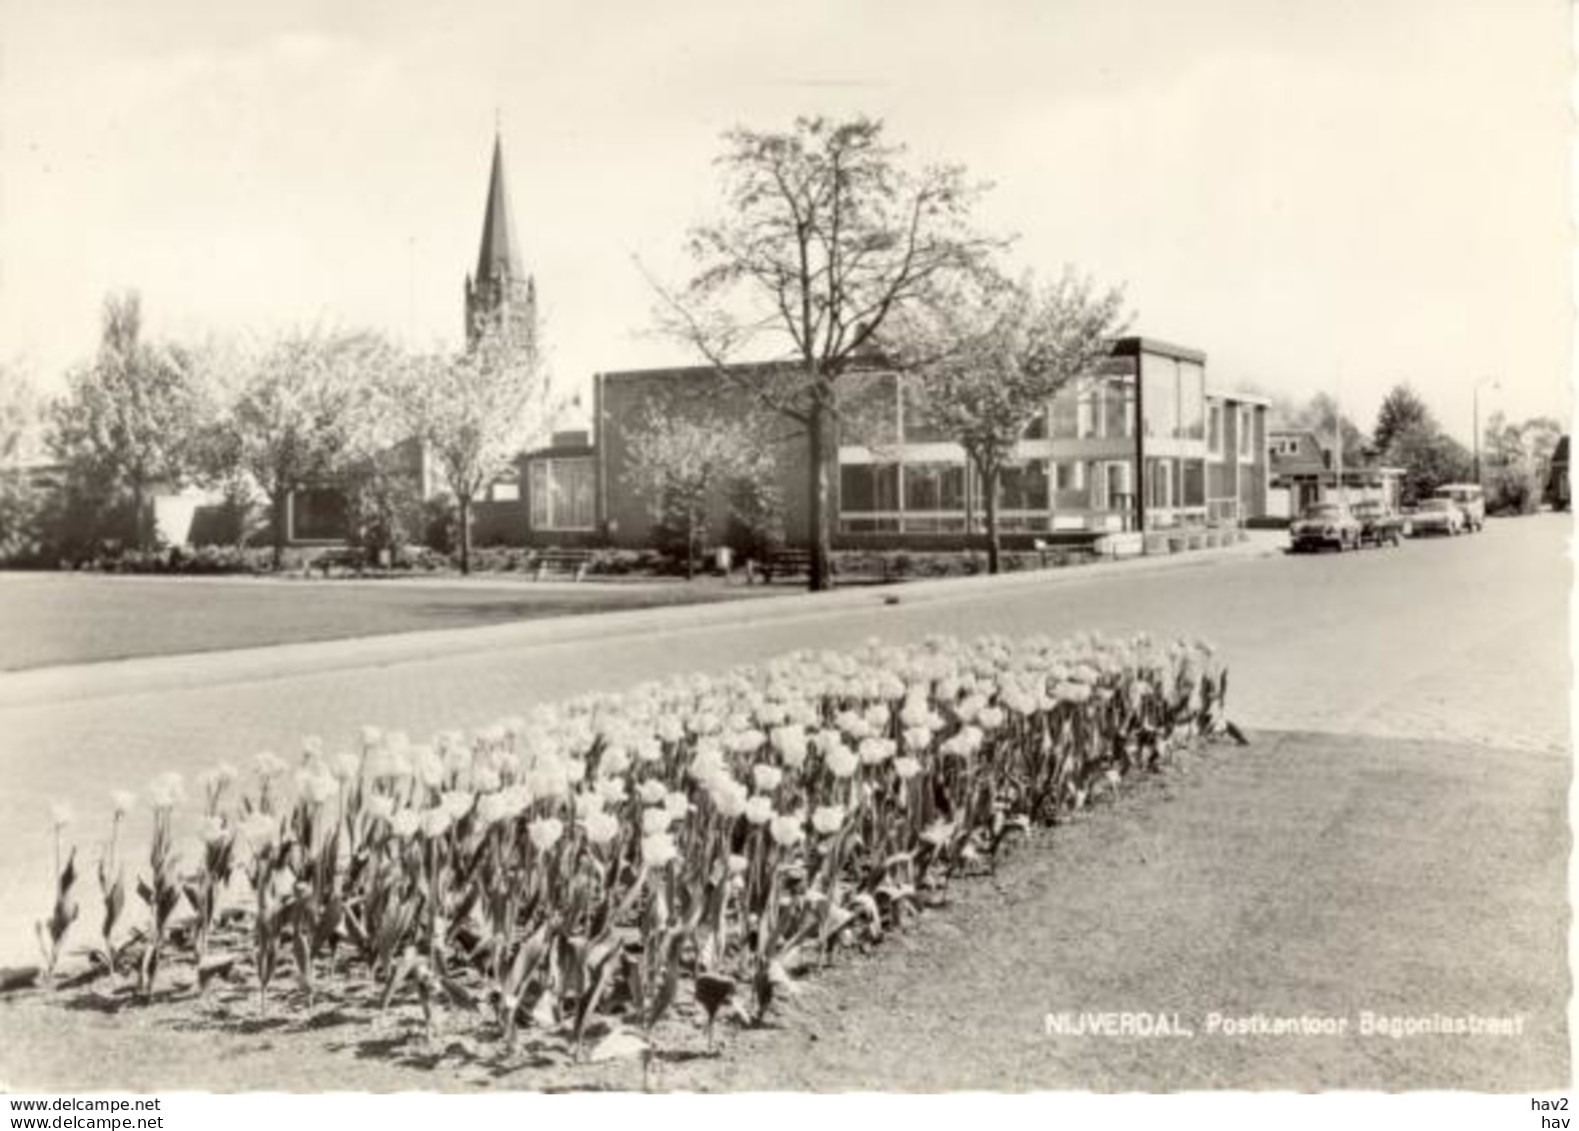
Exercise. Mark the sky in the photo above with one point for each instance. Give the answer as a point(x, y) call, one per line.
point(1331, 196)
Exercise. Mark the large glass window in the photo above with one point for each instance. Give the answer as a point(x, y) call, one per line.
point(1214, 429)
point(1088, 410)
point(318, 515)
point(1192, 401)
point(1066, 413)
point(1192, 489)
point(868, 487)
point(934, 487)
point(563, 494)
point(1118, 409)
point(1160, 482)
point(1023, 487)
point(1161, 400)
point(1069, 486)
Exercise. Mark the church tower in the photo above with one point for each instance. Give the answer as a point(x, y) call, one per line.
point(500, 293)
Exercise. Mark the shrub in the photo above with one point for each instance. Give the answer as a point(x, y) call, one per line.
point(440, 524)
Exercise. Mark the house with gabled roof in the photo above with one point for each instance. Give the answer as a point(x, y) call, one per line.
point(1304, 472)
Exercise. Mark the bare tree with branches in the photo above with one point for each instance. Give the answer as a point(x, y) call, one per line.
point(829, 233)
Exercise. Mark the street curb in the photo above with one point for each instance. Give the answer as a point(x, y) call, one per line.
point(78, 682)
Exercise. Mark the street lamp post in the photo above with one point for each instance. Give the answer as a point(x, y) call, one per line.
point(1482, 383)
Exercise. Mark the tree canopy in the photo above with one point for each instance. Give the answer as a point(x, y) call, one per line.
point(299, 411)
point(686, 462)
point(1402, 410)
point(827, 231)
point(130, 418)
point(986, 357)
point(477, 410)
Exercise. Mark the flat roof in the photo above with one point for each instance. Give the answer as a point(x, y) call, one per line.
point(1131, 346)
point(743, 367)
point(1242, 398)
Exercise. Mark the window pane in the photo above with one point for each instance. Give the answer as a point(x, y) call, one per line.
point(318, 514)
point(867, 487)
point(573, 497)
point(1023, 488)
point(1161, 377)
point(1086, 413)
point(1159, 473)
point(1118, 409)
point(1192, 401)
point(1065, 414)
point(538, 489)
point(934, 487)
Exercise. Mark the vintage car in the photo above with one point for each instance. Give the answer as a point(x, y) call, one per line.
point(1324, 524)
point(1378, 525)
point(1436, 516)
point(1470, 500)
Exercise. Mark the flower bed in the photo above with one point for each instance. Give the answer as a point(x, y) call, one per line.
point(579, 869)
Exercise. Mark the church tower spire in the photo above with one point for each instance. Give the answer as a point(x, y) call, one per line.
point(500, 292)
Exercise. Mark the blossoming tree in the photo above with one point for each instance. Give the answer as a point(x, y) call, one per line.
point(986, 355)
point(476, 411)
point(294, 417)
point(828, 234)
point(682, 463)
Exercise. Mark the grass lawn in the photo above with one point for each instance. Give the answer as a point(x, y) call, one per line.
point(56, 618)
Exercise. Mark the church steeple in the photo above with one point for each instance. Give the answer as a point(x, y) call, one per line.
point(499, 257)
point(500, 292)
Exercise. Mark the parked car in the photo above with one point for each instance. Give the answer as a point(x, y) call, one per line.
point(1324, 524)
point(1378, 525)
point(1470, 500)
point(1437, 516)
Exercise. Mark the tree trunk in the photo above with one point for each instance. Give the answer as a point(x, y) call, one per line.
point(465, 504)
point(690, 545)
point(821, 576)
point(139, 541)
point(994, 549)
point(278, 500)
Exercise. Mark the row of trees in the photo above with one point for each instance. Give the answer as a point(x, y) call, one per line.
point(839, 257)
point(264, 419)
point(1515, 456)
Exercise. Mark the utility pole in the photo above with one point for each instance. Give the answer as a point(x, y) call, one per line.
point(1484, 381)
point(1337, 425)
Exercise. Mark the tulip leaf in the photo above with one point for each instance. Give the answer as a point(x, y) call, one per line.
point(713, 991)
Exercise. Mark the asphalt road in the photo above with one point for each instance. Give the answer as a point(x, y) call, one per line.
point(1417, 862)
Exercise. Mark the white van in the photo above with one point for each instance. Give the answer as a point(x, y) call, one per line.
point(1467, 497)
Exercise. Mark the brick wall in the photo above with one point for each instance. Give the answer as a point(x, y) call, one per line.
point(622, 401)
